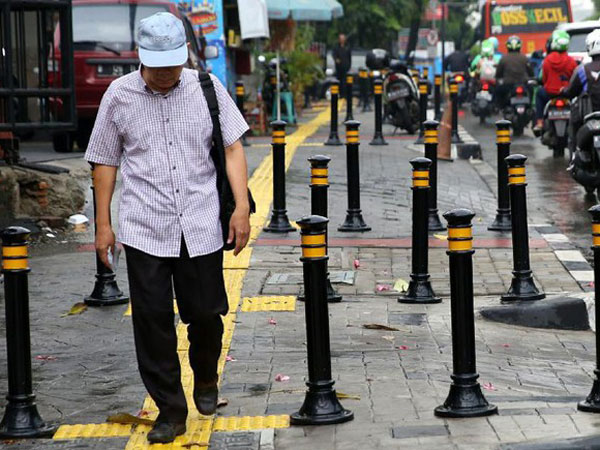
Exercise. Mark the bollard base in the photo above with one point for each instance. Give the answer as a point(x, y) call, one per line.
point(420, 139)
point(321, 407)
point(367, 109)
point(419, 291)
point(455, 139)
point(378, 140)
point(333, 140)
point(433, 221)
point(279, 223)
point(502, 222)
point(592, 403)
point(354, 222)
point(332, 295)
point(522, 288)
point(465, 400)
point(22, 420)
point(106, 292)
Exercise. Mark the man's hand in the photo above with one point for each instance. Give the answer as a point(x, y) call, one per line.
point(239, 228)
point(105, 239)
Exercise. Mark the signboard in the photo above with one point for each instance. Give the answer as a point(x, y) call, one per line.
point(208, 15)
point(527, 17)
point(422, 40)
point(434, 10)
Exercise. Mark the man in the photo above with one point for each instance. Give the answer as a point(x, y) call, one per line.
point(342, 57)
point(513, 69)
point(556, 72)
point(458, 61)
point(156, 125)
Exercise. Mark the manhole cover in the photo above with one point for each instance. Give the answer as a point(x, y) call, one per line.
point(336, 277)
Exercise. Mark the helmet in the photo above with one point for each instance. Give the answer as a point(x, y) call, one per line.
point(487, 48)
point(592, 43)
point(513, 44)
point(495, 42)
point(560, 41)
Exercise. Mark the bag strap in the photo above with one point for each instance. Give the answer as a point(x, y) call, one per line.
point(583, 78)
point(218, 150)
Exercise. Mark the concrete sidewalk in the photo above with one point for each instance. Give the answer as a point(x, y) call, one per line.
point(393, 378)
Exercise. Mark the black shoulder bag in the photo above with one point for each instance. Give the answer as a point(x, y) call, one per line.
point(217, 152)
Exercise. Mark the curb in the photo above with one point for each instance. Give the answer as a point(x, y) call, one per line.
point(587, 442)
point(563, 312)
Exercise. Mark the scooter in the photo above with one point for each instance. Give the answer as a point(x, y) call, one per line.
point(555, 135)
point(519, 112)
point(401, 98)
point(585, 162)
point(482, 105)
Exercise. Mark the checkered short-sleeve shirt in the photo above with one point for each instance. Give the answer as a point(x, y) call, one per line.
point(162, 144)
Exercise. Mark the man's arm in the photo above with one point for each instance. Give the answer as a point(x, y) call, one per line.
point(574, 88)
point(104, 187)
point(500, 69)
point(237, 174)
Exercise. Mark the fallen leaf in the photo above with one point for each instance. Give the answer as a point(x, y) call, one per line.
point(441, 237)
point(388, 338)
point(505, 345)
point(127, 419)
point(402, 347)
point(281, 377)
point(356, 263)
point(369, 379)
point(46, 358)
point(195, 444)
point(400, 285)
point(377, 326)
point(272, 321)
point(383, 287)
point(343, 396)
point(143, 413)
point(77, 308)
point(489, 387)
point(222, 402)
point(230, 358)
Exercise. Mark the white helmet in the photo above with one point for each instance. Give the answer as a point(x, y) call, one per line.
point(592, 43)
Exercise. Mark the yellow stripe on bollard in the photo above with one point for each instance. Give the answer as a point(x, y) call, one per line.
point(378, 89)
point(14, 251)
point(350, 79)
point(335, 89)
point(239, 91)
point(438, 80)
point(421, 178)
point(14, 264)
point(314, 245)
point(422, 88)
point(460, 239)
point(363, 74)
point(453, 88)
point(319, 176)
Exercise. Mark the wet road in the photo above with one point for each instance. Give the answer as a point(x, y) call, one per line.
point(551, 190)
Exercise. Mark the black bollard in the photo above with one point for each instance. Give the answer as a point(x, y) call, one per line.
point(592, 402)
point(21, 417)
point(426, 74)
point(321, 405)
point(431, 147)
point(455, 138)
point(465, 398)
point(319, 185)
point(502, 222)
point(378, 138)
point(349, 96)
point(279, 220)
point(239, 99)
point(419, 289)
point(354, 219)
point(106, 291)
point(333, 138)
point(522, 286)
point(364, 85)
point(437, 97)
point(423, 96)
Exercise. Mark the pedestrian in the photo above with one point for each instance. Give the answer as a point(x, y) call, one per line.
point(155, 124)
point(342, 57)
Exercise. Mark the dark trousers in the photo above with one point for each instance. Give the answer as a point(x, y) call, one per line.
point(201, 300)
point(541, 98)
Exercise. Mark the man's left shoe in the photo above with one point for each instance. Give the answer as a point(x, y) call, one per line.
point(206, 398)
point(165, 432)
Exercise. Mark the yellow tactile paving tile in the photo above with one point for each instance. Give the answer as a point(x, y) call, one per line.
point(92, 431)
point(274, 303)
point(248, 423)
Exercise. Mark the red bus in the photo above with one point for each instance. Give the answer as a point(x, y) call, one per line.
point(532, 20)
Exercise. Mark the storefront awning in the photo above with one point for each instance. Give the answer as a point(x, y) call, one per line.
point(305, 10)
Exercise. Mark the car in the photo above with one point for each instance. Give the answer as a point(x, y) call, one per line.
point(104, 49)
point(578, 32)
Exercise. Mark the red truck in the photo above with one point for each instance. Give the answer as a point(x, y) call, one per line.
point(104, 33)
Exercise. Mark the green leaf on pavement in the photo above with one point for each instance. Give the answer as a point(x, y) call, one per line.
point(343, 396)
point(400, 285)
point(126, 419)
point(377, 326)
point(77, 308)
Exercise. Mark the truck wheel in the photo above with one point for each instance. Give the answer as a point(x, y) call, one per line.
point(62, 142)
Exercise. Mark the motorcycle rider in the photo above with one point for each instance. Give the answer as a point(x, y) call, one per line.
point(513, 69)
point(557, 70)
point(484, 64)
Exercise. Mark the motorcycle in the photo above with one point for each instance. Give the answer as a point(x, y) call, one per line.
point(401, 98)
point(482, 106)
point(585, 162)
point(463, 86)
point(269, 86)
point(557, 113)
point(519, 112)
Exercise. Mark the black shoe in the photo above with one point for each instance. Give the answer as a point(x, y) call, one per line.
point(165, 432)
point(206, 398)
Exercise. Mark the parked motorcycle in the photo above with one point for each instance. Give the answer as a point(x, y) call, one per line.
point(555, 133)
point(519, 112)
point(269, 86)
point(585, 162)
point(482, 105)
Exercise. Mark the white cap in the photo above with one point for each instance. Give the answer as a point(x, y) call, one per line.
point(161, 41)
